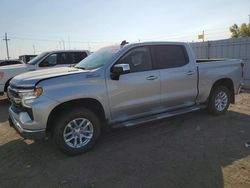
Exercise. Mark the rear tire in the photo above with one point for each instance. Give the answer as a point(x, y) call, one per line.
point(76, 131)
point(219, 100)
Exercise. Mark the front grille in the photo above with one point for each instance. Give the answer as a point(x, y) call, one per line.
point(16, 109)
point(20, 108)
point(12, 93)
point(16, 102)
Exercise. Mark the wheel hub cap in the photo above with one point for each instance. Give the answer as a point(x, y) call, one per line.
point(78, 132)
point(221, 101)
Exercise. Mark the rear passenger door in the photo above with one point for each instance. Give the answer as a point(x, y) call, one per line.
point(135, 94)
point(178, 76)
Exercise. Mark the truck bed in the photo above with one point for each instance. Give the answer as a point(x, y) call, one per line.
point(211, 70)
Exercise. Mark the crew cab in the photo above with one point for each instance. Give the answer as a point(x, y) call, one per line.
point(50, 59)
point(119, 86)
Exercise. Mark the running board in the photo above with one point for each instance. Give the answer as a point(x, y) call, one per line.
point(158, 116)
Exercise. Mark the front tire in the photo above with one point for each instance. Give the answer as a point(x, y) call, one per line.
point(76, 131)
point(219, 100)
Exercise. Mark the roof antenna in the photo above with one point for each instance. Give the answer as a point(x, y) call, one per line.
point(123, 43)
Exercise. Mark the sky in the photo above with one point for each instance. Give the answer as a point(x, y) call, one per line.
point(35, 26)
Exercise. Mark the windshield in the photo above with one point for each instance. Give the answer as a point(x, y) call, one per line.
point(37, 58)
point(98, 59)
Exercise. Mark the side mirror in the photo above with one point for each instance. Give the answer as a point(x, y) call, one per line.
point(119, 69)
point(44, 64)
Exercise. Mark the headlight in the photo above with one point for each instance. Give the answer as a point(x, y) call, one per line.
point(28, 96)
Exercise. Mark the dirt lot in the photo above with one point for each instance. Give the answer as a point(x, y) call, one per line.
point(192, 150)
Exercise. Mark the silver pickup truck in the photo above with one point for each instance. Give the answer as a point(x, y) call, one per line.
point(119, 86)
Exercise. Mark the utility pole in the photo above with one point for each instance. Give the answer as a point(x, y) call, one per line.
point(203, 34)
point(69, 42)
point(34, 49)
point(6, 42)
point(63, 44)
point(89, 48)
point(60, 45)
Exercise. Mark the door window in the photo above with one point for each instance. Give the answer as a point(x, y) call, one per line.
point(71, 57)
point(51, 60)
point(78, 56)
point(139, 59)
point(169, 56)
point(62, 58)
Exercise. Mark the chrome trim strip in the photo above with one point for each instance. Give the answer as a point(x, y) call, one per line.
point(20, 90)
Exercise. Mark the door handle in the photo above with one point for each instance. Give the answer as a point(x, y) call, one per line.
point(190, 72)
point(152, 77)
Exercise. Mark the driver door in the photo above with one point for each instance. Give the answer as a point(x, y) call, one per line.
point(135, 94)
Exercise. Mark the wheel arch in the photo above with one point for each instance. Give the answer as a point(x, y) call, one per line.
point(228, 83)
point(89, 103)
point(7, 84)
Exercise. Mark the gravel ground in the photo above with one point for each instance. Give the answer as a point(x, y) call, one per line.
point(192, 150)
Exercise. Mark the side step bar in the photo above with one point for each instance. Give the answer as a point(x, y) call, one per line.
point(158, 116)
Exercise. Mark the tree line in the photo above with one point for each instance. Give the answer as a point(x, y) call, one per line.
point(240, 31)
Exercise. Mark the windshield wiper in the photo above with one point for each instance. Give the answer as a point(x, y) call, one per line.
point(80, 68)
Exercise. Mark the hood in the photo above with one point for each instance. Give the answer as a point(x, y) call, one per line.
point(29, 79)
point(16, 66)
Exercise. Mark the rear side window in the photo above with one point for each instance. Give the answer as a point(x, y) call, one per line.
point(75, 57)
point(169, 56)
point(79, 56)
point(139, 59)
point(62, 59)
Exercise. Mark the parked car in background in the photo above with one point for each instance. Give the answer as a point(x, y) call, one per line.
point(62, 58)
point(11, 62)
point(119, 86)
point(26, 58)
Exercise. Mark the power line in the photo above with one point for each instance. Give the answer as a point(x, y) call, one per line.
point(183, 35)
point(88, 43)
point(52, 40)
point(187, 37)
point(36, 39)
point(6, 42)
